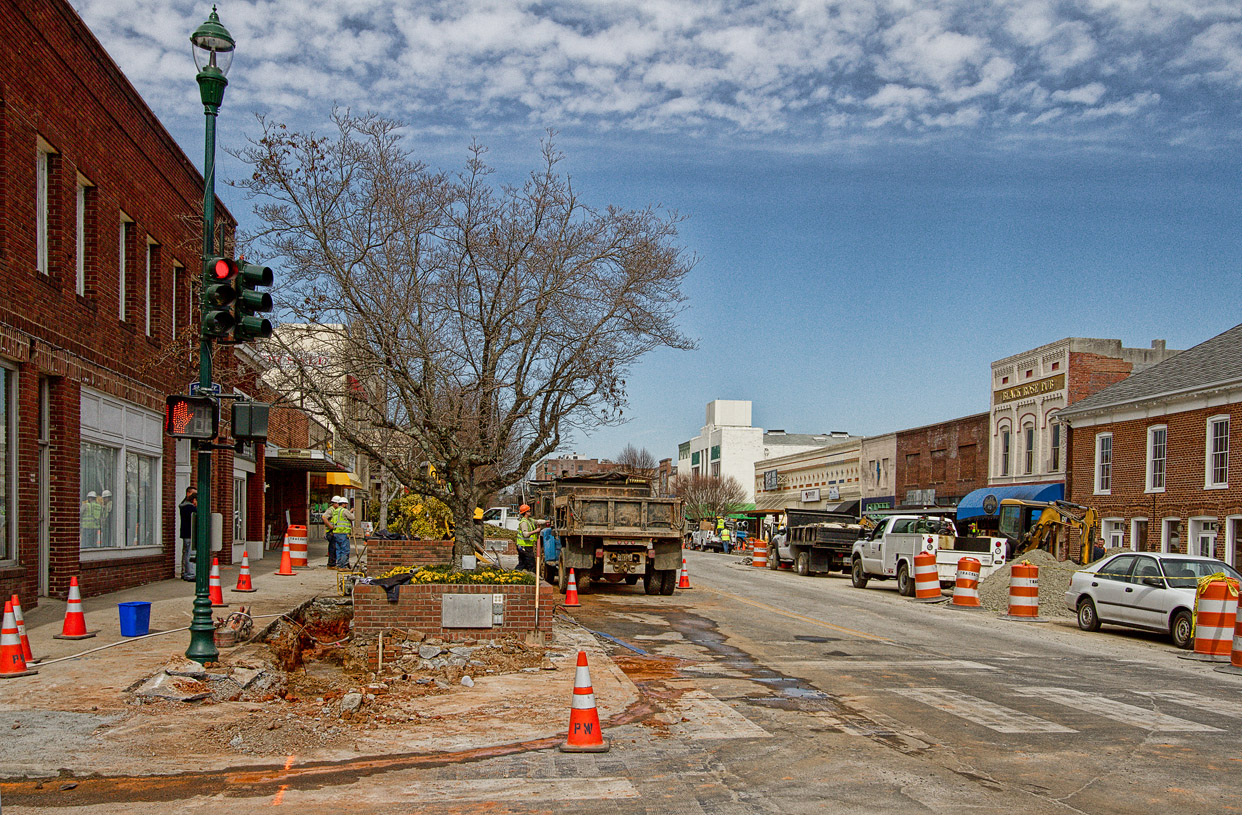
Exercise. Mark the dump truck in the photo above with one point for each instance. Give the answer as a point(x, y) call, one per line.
point(611, 527)
point(815, 541)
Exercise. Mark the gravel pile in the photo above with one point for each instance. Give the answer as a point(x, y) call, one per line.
point(1054, 580)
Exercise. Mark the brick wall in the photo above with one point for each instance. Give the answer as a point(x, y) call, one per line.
point(1184, 496)
point(1092, 373)
point(383, 555)
point(950, 457)
point(419, 609)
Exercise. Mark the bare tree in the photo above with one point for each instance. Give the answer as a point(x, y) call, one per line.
point(709, 496)
point(454, 329)
point(634, 460)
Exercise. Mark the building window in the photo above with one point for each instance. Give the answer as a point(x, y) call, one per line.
point(1028, 439)
point(148, 278)
point(1157, 457)
point(123, 239)
point(1104, 463)
point(1114, 534)
point(8, 463)
point(1202, 537)
point(43, 174)
point(1004, 452)
point(1217, 452)
point(1056, 366)
point(1055, 464)
point(1170, 537)
point(120, 458)
point(84, 195)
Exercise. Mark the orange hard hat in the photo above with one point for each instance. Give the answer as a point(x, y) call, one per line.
point(524, 508)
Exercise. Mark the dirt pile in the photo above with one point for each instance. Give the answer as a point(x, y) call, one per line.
point(1054, 580)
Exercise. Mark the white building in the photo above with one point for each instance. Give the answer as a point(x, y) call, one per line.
point(822, 478)
point(728, 445)
point(877, 460)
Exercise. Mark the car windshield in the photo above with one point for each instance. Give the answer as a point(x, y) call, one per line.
point(1185, 574)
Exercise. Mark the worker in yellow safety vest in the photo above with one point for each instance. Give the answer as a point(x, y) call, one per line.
point(527, 531)
point(339, 522)
point(725, 537)
point(92, 515)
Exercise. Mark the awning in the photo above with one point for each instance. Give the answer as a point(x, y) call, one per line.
point(846, 507)
point(345, 479)
point(300, 460)
point(773, 503)
point(978, 503)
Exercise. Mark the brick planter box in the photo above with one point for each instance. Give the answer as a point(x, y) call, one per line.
point(383, 555)
point(419, 608)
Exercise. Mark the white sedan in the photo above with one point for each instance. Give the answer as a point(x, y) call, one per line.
point(1152, 591)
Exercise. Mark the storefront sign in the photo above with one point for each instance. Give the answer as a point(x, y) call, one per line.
point(1036, 388)
point(810, 496)
point(834, 493)
point(770, 482)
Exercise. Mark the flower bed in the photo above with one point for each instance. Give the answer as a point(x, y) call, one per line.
point(444, 573)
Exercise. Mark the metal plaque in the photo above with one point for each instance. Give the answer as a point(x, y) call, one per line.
point(466, 611)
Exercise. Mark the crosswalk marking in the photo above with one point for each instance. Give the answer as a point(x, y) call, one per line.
point(696, 714)
point(1117, 711)
point(996, 717)
point(1204, 703)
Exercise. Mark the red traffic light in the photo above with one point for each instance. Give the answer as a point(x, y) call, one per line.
point(222, 268)
point(191, 417)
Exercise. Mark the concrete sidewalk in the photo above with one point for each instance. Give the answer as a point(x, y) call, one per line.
point(75, 715)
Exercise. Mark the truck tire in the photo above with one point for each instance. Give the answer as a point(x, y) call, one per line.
point(668, 581)
point(562, 579)
point(802, 564)
point(631, 579)
point(651, 582)
point(774, 559)
point(905, 586)
point(857, 576)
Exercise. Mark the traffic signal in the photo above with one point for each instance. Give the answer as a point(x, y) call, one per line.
point(191, 417)
point(219, 294)
point(248, 322)
point(250, 420)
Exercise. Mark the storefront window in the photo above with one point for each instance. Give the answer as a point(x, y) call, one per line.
point(8, 450)
point(141, 500)
point(98, 485)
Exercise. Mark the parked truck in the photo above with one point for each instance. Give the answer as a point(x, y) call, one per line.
point(889, 548)
point(610, 527)
point(502, 517)
point(815, 541)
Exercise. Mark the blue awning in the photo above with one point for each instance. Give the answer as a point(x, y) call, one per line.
point(972, 506)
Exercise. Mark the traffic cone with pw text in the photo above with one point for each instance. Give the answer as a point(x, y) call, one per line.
point(585, 735)
point(214, 590)
point(286, 561)
point(12, 660)
point(21, 630)
point(75, 621)
point(571, 592)
point(243, 577)
point(684, 582)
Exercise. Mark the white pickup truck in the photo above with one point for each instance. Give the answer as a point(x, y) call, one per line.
point(503, 517)
point(888, 550)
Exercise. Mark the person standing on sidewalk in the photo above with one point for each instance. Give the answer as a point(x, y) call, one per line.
point(527, 531)
point(187, 508)
point(340, 520)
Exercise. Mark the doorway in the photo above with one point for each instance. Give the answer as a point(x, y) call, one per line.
point(45, 487)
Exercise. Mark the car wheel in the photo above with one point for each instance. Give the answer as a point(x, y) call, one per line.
point(774, 559)
point(803, 563)
point(1182, 629)
point(857, 576)
point(668, 581)
point(905, 587)
point(1088, 620)
point(631, 579)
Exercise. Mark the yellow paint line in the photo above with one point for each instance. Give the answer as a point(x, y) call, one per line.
point(805, 619)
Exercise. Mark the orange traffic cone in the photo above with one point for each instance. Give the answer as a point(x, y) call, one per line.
point(214, 590)
point(75, 621)
point(21, 630)
point(684, 582)
point(585, 735)
point(243, 577)
point(12, 660)
point(571, 592)
point(286, 561)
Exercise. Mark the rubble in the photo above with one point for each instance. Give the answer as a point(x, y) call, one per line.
point(1054, 580)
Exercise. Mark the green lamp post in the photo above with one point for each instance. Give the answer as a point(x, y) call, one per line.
point(213, 54)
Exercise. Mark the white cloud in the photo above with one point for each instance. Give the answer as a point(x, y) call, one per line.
point(1085, 95)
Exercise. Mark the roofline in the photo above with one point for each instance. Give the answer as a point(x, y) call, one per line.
point(1074, 411)
point(986, 413)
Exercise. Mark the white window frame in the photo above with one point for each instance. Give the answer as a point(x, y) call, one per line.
point(1150, 478)
point(1194, 528)
point(1054, 447)
point(43, 173)
point(122, 233)
point(1028, 441)
point(1209, 482)
point(1134, 535)
point(80, 276)
point(1006, 449)
point(1165, 536)
point(1110, 527)
point(8, 554)
point(178, 275)
point(1233, 529)
point(1102, 488)
point(137, 431)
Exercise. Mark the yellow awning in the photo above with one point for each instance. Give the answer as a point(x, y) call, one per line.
point(344, 480)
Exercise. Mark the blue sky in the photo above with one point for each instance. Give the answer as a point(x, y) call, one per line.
point(884, 196)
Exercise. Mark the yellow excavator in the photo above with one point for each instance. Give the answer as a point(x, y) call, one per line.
point(1046, 525)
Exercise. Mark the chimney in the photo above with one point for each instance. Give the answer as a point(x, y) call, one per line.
point(1157, 345)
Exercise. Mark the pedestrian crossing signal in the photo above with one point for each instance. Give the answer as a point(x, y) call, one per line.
point(191, 417)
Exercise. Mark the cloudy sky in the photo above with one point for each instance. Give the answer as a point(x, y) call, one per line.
point(884, 196)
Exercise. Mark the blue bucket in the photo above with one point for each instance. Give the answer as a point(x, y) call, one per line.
point(135, 618)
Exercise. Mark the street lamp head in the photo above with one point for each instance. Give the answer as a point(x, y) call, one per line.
point(212, 46)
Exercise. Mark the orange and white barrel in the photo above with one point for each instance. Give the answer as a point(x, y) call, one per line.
point(760, 558)
point(926, 578)
point(966, 589)
point(295, 537)
point(1216, 613)
point(1024, 591)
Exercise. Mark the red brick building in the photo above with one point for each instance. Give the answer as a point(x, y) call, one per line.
point(100, 239)
point(572, 465)
point(1154, 454)
point(940, 463)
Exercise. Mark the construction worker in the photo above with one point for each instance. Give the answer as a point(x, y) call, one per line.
point(726, 538)
point(340, 520)
point(527, 531)
point(92, 521)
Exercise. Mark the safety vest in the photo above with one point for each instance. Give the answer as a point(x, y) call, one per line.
point(340, 524)
point(92, 516)
point(526, 532)
point(724, 533)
